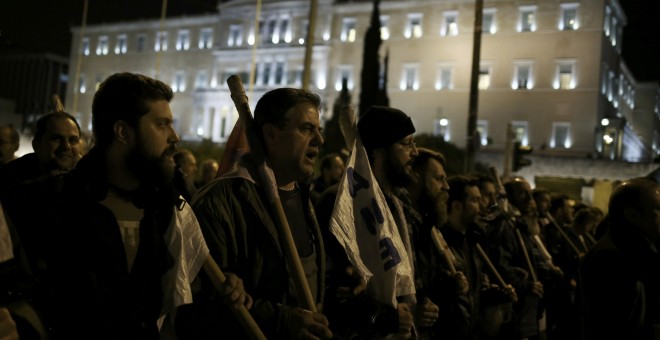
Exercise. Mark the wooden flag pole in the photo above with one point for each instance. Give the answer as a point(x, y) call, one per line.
point(244, 317)
point(443, 248)
point(268, 181)
point(489, 264)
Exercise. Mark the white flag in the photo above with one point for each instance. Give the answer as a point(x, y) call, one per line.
point(187, 246)
point(363, 224)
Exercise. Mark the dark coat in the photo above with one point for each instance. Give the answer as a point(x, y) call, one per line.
point(242, 237)
point(619, 286)
point(74, 244)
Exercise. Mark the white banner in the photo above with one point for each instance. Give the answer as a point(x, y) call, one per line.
point(363, 224)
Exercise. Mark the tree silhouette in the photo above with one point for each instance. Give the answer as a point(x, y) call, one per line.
point(370, 81)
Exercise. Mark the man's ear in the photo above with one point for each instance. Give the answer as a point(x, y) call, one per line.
point(456, 206)
point(631, 214)
point(270, 133)
point(123, 132)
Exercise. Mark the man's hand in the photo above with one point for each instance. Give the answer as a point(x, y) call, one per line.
point(308, 325)
point(510, 292)
point(357, 287)
point(461, 283)
point(427, 313)
point(8, 329)
point(405, 321)
point(233, 293)
point(537, 289)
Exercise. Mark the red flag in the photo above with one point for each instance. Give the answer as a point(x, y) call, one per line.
point(236, 147)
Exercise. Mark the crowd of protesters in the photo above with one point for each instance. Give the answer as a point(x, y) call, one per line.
point(116, 242)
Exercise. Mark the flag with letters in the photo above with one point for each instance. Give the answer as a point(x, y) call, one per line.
point(365, 227)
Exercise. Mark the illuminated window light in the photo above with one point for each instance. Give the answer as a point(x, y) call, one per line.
point(604, 122)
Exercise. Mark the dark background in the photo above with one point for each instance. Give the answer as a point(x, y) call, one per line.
point(44, 25)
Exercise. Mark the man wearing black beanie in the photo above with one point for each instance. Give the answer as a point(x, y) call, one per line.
point(387, 136)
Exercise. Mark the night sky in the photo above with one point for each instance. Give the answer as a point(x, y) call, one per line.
point(43, 25)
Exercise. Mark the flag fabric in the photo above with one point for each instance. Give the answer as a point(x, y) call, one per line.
point(186, 244)
point(235, 148)
point(365, 227)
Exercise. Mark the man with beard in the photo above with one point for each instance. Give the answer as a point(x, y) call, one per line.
point(56, 145)
point(109, 228)
point(387, 136)
point(240, 226)
point(517, 258)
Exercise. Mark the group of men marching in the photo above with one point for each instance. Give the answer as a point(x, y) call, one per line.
point(106, 247)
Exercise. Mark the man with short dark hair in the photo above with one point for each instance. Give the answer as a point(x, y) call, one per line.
point(619, 280)
point(209, 169)
point(56, 149)
point(511, 253)
point(185, 172)
point(332, 169)
point(241, 227)
point(117, 227)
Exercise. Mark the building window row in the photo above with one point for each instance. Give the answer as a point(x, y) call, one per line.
point(121, 45)
point(523, 76)
point(527, 22)
point(560, 137)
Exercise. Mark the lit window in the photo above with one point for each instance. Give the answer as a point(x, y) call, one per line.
point(414, 26)
point(282, 32)
point(120, 48)
point(615, 31)
point(344, 73)
point(348, 30)
point(267, 30)
point(102, 47)
point(202, 80)
point(265, 75)
point(569, 19)
point(520, 132)
point(450, 25)
point(279, 73)
point(488, 21)
point(183, 40)
point(527, 20)
point(522, 77)
point(85, 46)
point(603, 80)
point(606, 20)
point(565, 77)
point(410, 78)
point(482, 129)
point(304, 26)
point(99, 80)
point(141, 42)
point(444, 79)
point(235, 38)
point(484, 77)
point(561, 135)
point(81, 84)
point(205, 38)
point(384, 28)
point(161, 41)
point(297, 77)
point(441, 128)
point(179, 83)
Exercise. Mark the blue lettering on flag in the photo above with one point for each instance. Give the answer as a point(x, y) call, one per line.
point(389, 253)
point(355, 182)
